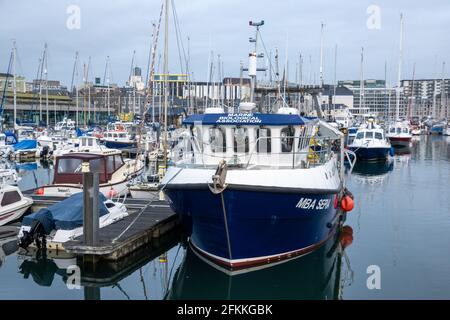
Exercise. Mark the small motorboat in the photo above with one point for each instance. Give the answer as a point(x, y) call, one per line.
point(115, 172)
point(399, 134)
point(12, 204)
point(63, 221)
point(370, 143)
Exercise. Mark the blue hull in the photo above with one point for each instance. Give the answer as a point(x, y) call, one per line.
point(369, 154)
point(262, 226)
point(120, 145)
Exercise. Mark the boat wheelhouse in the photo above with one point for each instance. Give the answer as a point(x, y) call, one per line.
point(254, 189)
point(114, 171)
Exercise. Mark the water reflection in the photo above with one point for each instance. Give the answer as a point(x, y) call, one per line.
point(317, 275)
point(114, 277)
point(372, 173)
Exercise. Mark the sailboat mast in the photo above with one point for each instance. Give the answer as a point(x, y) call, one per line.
point(335, 78)
point(411, 104)
point(46, 86)
point(361, 85)
point(443, 93)
point(166, 71)
point(321, 54)
point(397, 107)
point(14, 83)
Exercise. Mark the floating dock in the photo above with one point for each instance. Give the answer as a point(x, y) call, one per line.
point(146, 222)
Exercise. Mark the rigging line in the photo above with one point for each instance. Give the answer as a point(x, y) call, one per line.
point(177, 27)
point(267, 54)
point(121, 290)
point(177, 31)
point(170, 272)
point(6, 82)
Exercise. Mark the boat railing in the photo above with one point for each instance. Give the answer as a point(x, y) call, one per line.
point(294, 152)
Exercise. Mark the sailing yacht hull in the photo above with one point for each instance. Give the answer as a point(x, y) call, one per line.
point(244, 228)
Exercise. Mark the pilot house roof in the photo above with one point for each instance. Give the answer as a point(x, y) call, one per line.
point(242, 119)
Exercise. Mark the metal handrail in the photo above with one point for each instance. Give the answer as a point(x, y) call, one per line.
point(297, 148)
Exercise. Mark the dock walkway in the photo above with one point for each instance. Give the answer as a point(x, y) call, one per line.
point(147, 220)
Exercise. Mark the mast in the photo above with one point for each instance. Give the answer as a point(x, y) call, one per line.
point(46, 85)
point(42, 61)
point(443, 93)
point(252, 68)
point(321, 54)
point(361, 85)
point(335, 78)
point(397, 108)
point(107, 83)
point(14, 83)
point(89, 89)
point(166, 71)
point(411, 104)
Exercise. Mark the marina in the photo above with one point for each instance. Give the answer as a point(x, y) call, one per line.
point(251, 185)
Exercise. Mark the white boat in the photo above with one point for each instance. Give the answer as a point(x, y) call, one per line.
point(114, 171)
point(65, 125)
point(118, 136)
point(370, 143)
point(144, 190)
point(63, 221)
point(399, 134)
point(12, 204)
point(9, 176)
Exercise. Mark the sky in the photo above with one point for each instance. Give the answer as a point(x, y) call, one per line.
point(116, 28)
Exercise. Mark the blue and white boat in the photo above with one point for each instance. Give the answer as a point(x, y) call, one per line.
point(370, 143)
point(254, 189)
point(118, 136)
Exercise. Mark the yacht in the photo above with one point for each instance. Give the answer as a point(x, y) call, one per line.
point(118, 136)
point(114, 171)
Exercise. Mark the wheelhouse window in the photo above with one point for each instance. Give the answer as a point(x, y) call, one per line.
point(241, 142)
point(369, 135)
point(10, 197)
point(378, 136)
point(287, 139)
point(264, 141)
point(399, 130)
point(392, 130)
point(69, 165)
point(217, 139)
point(110, 164)
point(360, 135)
point(405, 130)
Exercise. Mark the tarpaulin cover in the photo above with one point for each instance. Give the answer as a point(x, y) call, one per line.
point(28, 144)
point(64, 215)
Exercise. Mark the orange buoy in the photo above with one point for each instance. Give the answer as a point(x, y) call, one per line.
point(347, 203)
point(112, 193)
point(346, 237)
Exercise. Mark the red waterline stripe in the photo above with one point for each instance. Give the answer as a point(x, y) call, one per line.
point(262, 261)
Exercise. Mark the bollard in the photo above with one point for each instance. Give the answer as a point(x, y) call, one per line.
point(90, 206)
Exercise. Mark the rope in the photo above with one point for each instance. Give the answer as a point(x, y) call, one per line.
point(143, 210)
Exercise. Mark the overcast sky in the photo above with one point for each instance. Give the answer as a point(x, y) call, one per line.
point(116, 28)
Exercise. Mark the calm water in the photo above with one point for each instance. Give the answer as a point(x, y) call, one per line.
point(401, 224)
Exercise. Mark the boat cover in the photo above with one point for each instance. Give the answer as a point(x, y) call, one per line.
point(64, 215)
point(27, 144)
